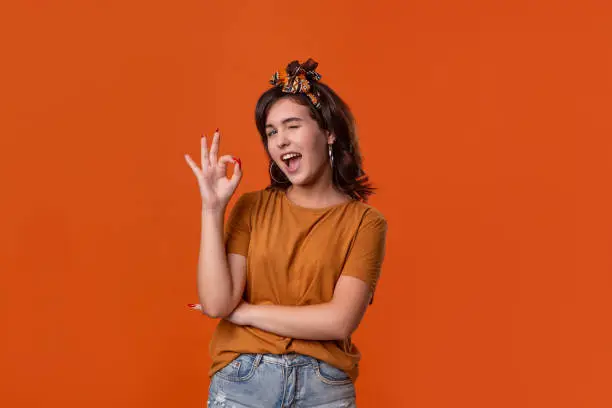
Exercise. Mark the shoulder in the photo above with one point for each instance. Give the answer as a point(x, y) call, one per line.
point(263, 193)
point(256, 198)
point(244, 204)
point(370, 216)
point(250, 196)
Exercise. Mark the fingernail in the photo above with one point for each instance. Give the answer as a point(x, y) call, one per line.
point(217, 130)
point(236, 159)
point(191, 305)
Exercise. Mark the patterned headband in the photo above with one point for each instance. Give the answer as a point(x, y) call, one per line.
point(297, 79)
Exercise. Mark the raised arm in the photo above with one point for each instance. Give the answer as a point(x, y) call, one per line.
point(220, 279)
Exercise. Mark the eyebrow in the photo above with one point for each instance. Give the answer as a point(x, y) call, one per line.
point(292, 119)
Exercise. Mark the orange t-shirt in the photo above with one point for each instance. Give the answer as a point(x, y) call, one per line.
point(295, 256)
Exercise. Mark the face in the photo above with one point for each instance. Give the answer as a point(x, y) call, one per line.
point(296, 142)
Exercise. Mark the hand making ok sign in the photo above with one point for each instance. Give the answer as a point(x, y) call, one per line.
point(215, 187)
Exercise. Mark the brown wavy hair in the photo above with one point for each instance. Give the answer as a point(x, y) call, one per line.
point(333, 115)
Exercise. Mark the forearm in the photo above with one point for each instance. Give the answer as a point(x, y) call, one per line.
point(214, 279)
point(313, 322)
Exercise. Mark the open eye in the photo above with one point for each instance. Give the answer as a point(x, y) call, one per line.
point(270, 133)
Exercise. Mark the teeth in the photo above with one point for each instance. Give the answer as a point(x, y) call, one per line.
point(290, 156)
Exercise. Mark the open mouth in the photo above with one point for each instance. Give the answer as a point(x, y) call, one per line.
point(292, 160)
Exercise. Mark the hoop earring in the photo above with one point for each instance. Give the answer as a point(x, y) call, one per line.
point(272, 177)
point(331, 156)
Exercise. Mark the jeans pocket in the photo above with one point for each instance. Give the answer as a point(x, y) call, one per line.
point(241, 369)
point(331, 375)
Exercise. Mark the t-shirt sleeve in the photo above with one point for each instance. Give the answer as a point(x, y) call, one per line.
point(238, 225)
point(367, 252)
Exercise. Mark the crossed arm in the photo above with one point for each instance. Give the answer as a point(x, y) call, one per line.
point(333, 320)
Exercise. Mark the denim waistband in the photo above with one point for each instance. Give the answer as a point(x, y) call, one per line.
point(287, 360)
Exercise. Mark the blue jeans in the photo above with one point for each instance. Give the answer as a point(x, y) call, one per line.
point(280, 381)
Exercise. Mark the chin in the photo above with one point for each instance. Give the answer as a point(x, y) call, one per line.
point(296, 180)
point(302, 181)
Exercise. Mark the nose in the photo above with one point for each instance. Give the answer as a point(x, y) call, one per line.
point(282, 140)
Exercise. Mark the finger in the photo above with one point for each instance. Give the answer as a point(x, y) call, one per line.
point(193, 165)
point(204, 153)
point(237, 174)
point(196, 306)
point(222, 164)
point(214, 148)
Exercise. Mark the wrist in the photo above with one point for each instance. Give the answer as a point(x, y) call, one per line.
point(213, 212)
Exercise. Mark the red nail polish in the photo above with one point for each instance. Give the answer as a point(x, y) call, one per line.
point(217, 130)
point(236, 159)
point(191, 305)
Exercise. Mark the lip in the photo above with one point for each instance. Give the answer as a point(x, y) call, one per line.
point(284, 154)
point(287, 169)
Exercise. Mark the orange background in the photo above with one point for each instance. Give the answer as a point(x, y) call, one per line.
point(485, 125)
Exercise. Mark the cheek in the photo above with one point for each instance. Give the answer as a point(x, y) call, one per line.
point(270, 149)
point(314, 143)
point(318, 151)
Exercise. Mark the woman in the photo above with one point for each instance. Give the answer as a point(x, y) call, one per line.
point(296, 267)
